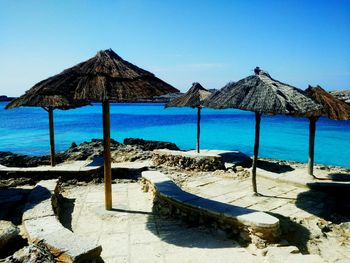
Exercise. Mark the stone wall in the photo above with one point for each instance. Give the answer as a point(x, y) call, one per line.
point(259, 236)
point(188, 161)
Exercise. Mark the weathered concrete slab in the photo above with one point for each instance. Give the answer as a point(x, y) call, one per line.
point(65, 170)
point(132, 233)
point(132, 165)
point(299, 177)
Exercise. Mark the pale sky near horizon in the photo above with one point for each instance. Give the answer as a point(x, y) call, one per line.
point(211, 42)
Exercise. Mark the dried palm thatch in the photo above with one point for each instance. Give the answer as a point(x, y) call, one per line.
point(333, 108)
point(104, 77)
point(193, 98)
point(36, 97)
point(343, 95)
point(261, 93)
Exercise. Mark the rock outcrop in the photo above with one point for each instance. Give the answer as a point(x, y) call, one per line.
point(188, 161)
point(8, 233)
point(34, 253)
point(10, 159)
point(150, 145)
point(132, 149)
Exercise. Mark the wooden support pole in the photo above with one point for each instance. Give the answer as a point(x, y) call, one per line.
point(312, 133)
point(52, 137)
point(107, 155)
point(198, 128)
point(256, 150)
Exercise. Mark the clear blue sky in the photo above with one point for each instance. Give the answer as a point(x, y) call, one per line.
point(299, 42)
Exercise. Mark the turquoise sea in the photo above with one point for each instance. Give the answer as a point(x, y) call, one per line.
point(25, 130)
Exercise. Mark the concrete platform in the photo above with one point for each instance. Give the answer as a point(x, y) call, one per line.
point(131, 232)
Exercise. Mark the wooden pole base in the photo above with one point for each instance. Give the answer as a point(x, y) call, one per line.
point(256, 150)
point(107, 155)
point(52, 137)
point(198, 129)
point(312, 133)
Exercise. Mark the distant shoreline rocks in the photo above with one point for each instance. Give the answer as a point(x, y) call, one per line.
point(132, 149)
point(5, 98)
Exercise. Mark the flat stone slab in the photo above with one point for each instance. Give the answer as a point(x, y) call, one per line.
point(132, 165)
point(41, 223)
point(231, 158)
point(166, 188)
point(299, 177)
point(67, 166)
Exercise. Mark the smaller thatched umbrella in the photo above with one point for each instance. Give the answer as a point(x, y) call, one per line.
point(193, 98)
point(261, 94)
point(333, 108)
point(343, 95)
point(41, 97)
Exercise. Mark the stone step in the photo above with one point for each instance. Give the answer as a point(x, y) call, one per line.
point(41, 223)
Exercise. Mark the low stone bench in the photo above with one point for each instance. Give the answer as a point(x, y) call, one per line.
point(253, 226)
point(40, 223)
point(188, 160)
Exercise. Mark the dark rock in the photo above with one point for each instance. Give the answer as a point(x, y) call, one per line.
point(32, 253)
point(8, 232)
point(17, 160)
point(150, 145)
point(85, 151)
point(74, 145)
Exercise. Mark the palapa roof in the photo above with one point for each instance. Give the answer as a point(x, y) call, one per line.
point(194, 97)
point(32, 99)
point(333, 108)
point(105, 76)
point(261, 93)
point(343, 95)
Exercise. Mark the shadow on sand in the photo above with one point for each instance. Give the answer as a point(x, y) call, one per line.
point(326, 200)
point(12, 201)
point(176, 232)
point(65, 212)
point(296, 234)
point(274, 167)
point(336, 177)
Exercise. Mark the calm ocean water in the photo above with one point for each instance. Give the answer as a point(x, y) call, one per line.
point(25, 130)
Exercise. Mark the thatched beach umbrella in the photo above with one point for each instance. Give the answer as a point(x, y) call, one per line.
point(343, 95)
point(107, 77)
point(261, 94)
point(41, 97)
point(333, 108)
point(193, 98)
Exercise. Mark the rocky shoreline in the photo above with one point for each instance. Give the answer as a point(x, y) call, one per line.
point(133, 149)
point(130, 150)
